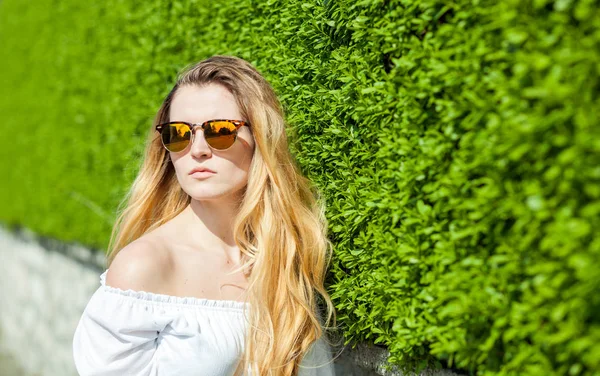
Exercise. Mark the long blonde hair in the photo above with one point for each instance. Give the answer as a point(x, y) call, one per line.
point(280, 229)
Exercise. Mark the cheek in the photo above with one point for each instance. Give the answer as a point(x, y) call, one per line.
point(247, 153)
point(179, 170)
point(232, 176)
point(235, 171)
point(246, 161)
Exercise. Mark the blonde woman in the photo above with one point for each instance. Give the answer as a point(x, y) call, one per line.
point(217, 261)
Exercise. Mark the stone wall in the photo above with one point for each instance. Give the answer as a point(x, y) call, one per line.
point(43, 291)
point(44, 288)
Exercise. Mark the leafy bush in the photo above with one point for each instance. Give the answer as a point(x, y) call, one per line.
point(457, 144)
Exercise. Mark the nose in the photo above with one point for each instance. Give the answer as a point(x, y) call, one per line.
point(199, 145)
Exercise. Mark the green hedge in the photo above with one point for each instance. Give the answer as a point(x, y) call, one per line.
point(457, 144)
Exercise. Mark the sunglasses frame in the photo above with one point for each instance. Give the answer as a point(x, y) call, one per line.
point(238, 124)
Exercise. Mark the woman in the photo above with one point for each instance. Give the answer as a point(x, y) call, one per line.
point(216, 264)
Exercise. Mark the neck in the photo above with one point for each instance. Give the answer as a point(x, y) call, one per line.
point(209, 225)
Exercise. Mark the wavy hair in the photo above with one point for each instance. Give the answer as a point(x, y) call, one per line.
point(280, 229)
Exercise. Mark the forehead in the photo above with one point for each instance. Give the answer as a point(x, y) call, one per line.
point(197, 104)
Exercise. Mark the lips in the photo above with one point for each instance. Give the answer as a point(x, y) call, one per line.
point(201, 169)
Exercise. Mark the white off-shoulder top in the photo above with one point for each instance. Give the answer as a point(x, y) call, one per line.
point(138, 333)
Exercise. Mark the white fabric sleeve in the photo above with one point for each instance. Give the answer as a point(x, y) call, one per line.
point(117, 335)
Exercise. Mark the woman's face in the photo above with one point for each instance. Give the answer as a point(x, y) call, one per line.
point(196, 105)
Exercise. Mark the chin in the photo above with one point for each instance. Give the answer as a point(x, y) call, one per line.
point(212, 193)
point(204, 195)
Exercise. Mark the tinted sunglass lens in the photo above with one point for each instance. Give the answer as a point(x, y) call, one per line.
point(220, 134)
point(176, 136)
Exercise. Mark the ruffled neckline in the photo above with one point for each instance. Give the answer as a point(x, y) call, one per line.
point(172, 299)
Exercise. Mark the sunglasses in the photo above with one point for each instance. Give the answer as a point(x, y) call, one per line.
point(220, 134)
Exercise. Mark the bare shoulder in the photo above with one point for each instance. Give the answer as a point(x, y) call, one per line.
point(142, 265)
